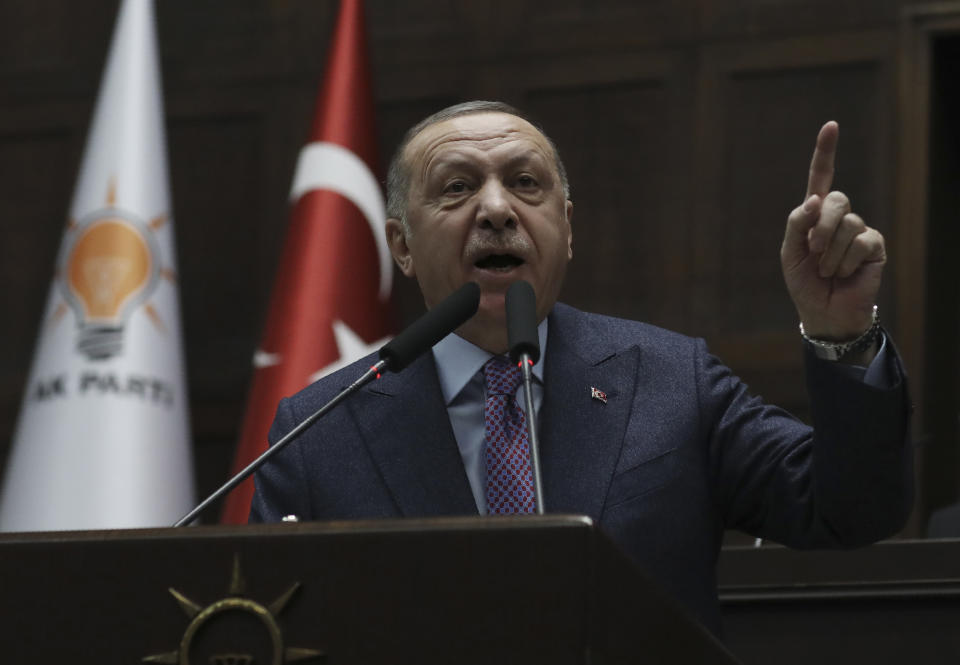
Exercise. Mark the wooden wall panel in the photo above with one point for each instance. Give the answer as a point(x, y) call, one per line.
point(629, 212)
point(37, 164)
point(760, 112)
point(926, 223)
point(812, 17)
point(51, 48)
point(218, 297)
point(772, 123)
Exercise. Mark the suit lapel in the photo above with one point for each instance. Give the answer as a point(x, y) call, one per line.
point(582, 435)
point(405, 427)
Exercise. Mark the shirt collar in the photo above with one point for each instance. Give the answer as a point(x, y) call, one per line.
point(459, 360)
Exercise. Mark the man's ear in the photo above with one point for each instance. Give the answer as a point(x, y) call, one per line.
point(397, 241)
point(569, 210)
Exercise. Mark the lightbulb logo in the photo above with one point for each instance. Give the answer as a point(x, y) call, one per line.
point(108, 268)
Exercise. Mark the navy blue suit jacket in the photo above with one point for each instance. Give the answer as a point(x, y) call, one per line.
point(678, 453)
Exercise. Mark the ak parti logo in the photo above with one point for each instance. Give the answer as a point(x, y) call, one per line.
point(108, 267)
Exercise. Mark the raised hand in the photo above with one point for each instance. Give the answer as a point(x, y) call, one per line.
point(832, 261)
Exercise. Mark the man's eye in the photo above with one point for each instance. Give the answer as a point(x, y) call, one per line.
point(526, 181)
point(455, 187)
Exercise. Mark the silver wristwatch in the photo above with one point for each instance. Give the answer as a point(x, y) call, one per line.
point(837, 350)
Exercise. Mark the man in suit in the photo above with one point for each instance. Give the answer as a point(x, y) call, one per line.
point(641, 429)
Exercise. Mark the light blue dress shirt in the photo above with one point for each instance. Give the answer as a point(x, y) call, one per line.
point(459, 365)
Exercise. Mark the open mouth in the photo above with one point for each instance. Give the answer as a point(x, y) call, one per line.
point(499, 262)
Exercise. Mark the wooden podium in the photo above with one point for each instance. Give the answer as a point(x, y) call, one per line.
point(462, 590)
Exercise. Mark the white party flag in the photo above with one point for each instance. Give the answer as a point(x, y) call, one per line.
point(103, 440)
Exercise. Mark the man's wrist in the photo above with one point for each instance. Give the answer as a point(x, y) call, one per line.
point(852, 350)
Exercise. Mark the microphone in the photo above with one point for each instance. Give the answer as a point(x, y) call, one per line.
point(521, 306)
point(433, 326)
point(403, 349)
point(522, 334)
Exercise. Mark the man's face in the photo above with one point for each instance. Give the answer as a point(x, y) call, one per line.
point(486, 205)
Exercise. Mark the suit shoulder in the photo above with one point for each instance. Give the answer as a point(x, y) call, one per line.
point(600, 330)
point(324, 389)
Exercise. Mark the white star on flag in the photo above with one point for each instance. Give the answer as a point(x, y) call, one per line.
point(350, 347)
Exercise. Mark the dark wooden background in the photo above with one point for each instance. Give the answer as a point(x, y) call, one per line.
point(686, 125)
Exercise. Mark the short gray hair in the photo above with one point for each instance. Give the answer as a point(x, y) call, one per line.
point(398, 174)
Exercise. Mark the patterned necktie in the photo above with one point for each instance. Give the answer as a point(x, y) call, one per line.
point(509, 477)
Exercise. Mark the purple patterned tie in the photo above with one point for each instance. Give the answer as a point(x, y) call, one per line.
point(509, 477)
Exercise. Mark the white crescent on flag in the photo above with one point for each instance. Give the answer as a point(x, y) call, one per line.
point(323, 165)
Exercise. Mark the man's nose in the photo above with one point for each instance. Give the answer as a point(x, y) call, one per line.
point(495, 210)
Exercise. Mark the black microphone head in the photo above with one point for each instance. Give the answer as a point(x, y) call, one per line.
point(448, 315)
point(522, 321)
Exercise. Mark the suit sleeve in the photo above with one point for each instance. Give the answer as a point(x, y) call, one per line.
point(281, 488)
point(846, 482)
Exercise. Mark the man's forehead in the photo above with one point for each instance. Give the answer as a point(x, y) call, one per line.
point(485, 130)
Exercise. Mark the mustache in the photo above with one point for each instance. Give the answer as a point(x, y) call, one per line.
point(479, 246)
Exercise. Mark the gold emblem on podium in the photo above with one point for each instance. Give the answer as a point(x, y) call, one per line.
point(235, 630)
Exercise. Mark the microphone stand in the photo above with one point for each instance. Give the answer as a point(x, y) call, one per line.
point(437, 323)
point(520, 305)
point(370, 375)
point(526, 363)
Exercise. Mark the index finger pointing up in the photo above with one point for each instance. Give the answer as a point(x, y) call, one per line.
point(821, 166)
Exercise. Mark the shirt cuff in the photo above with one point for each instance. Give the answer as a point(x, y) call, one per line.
point(876, 374)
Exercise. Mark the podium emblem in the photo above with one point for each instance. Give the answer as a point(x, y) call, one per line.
point(235, 630)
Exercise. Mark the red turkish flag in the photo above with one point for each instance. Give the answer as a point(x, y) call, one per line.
point(335, 275)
